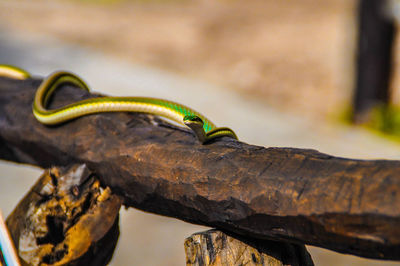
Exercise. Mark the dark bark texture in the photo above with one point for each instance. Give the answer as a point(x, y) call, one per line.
point(350, 206)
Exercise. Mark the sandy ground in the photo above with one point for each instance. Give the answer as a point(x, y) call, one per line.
point(36, 39)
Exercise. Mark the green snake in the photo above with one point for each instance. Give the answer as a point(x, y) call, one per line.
point(202, 127)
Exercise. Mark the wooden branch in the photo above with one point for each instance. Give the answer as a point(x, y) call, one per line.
point(66, 219)
point(351, 206)
point(213, 248)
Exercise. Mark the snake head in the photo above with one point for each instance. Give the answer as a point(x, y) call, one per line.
point(196, 124)
point(192, 119)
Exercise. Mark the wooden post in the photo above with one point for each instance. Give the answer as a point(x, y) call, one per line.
point(214, 248)
point(66, 219)
point(374, 58)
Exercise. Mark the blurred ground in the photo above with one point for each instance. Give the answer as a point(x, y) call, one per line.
point(286, 53)
point(288, 62)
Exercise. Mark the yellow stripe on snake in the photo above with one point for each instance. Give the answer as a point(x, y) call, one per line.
point(203, 128)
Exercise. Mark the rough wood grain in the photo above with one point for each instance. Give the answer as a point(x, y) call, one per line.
point(213, 248)
point(66, 219)
point(351, 206)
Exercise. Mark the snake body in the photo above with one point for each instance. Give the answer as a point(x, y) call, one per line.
point(13, 72)
point(203, 128)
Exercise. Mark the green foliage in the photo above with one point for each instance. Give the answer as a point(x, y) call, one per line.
point(383, 120)
point(386, 119)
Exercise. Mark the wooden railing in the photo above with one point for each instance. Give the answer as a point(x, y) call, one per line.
point(262, 198)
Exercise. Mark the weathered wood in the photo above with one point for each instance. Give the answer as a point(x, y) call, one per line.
point(66, 219)
point(215, 248)
point(351, 206)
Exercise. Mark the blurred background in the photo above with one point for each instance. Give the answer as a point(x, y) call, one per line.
point(280, 73)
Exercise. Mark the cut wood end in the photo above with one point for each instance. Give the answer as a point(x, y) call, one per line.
point(65, 218)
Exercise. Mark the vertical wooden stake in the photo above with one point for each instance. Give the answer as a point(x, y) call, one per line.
point(374, 58)
point(214, 248)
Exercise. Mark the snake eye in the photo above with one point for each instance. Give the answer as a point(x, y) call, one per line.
point(192, 118)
